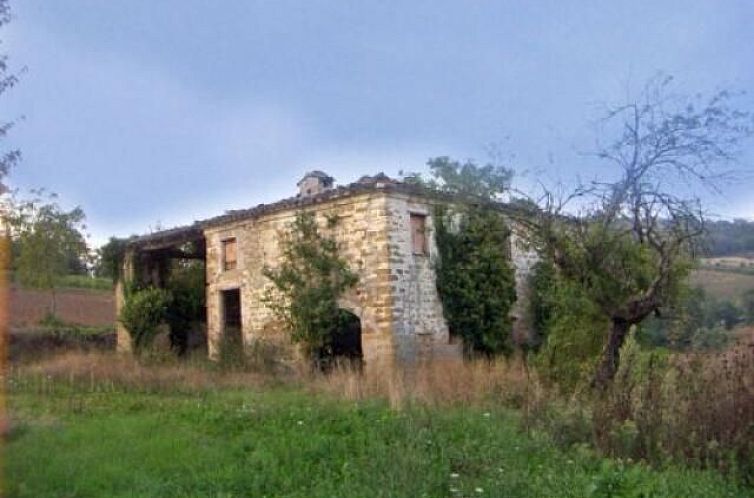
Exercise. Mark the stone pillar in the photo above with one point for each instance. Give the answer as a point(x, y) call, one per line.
point(523, 258)
point(125, 277)
point(214, 322)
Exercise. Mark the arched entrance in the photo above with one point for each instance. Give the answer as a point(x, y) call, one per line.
point(346, 340)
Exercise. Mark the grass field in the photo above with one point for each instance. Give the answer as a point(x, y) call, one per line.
point(209, 437)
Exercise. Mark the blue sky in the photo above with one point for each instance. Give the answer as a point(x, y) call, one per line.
point(150, 112)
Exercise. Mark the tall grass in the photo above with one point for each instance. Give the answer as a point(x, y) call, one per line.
point(696, 409)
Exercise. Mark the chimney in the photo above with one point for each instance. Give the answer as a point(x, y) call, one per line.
point(314, 182)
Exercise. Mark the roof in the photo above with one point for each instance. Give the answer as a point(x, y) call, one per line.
point(195, 231)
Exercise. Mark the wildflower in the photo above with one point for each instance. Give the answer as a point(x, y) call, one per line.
point(479, 490)
point(454, 475)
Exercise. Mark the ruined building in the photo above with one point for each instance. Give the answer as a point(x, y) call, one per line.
point(384, 232)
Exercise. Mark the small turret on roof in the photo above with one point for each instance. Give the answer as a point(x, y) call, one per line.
point(314, 182)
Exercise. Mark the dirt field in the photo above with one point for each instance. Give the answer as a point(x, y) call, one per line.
point(75, 306)
point(722, 284)
point(732, 262)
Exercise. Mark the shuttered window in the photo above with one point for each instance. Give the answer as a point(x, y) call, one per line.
point(419, 234)
point(230, 254)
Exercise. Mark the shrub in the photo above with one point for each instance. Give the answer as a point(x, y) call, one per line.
point(142, 313)
point(574, 335)
point(307, 286)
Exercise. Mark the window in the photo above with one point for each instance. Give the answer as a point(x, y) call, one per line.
point(230, 254)
point(419, 234)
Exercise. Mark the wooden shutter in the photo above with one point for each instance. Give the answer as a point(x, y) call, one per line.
point(418, 234)
point(230, 254)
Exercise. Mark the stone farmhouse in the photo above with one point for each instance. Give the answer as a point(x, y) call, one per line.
point(384, 232)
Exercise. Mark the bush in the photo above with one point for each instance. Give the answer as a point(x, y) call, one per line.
point(574, 334)
point(142, 313)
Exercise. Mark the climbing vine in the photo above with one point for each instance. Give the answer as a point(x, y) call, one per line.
point(475, 278)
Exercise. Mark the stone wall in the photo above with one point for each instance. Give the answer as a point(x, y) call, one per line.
point(362, 236)
point(523, 258)
point(419, 327)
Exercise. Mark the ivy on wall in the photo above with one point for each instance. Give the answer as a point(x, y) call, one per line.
point(475, 278)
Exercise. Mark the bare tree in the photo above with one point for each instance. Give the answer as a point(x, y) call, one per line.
point(632, 244)
point(7, 80)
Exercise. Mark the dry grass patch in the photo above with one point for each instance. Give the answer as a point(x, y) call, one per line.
point(438, 383)
point(126, 372)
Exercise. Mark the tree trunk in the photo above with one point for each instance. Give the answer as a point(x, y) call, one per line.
point(54, 311)
point(611, 355)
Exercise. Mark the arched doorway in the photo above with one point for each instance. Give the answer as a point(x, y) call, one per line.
point(346, 340)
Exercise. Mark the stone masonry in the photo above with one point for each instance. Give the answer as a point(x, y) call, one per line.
point(395, 298)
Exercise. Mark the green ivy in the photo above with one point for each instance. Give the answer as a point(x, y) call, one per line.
point(475, 279)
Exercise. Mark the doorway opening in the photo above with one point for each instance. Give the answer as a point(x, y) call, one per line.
point(231, 318)
point(346, 340)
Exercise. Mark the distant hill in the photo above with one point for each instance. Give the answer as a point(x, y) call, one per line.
point(729, 238)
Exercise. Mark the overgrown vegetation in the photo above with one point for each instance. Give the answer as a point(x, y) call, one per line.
point(450, 422)
point(306, 287)
point(574, 330)
point(631, 246)
point(186, 306)
point(144, 310)
point(475, 277)
point(697, 322)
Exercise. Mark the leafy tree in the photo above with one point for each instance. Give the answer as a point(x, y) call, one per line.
point(465, 181)
point(109, 258)
point(307, 285)
point(47, 237)
point(475, 279)
point(631, 247)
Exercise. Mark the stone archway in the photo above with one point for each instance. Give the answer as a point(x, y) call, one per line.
point(346, 343)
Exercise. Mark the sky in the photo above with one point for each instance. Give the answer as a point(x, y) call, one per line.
point(155, 113)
